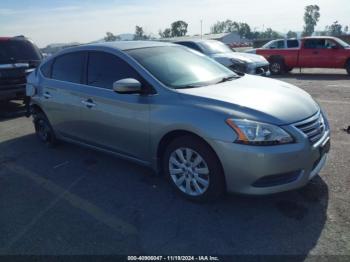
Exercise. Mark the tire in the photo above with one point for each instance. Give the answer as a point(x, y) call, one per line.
point(44, 130)
point(347, 67)
point(208, 184)
point(277, 67)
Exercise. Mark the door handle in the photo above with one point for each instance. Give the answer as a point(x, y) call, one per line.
point(47, 95)
point(315, 52)
point(88, 103)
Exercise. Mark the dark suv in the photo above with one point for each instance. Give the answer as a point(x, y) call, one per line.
point(18, 57)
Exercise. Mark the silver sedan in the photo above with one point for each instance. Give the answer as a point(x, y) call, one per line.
point(188, 117)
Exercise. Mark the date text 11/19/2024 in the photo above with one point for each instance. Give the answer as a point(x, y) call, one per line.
point(173, 258)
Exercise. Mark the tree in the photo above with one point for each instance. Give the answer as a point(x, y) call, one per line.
point(335, 29)
point(179, 28)
point(165, 34)
point(223, 27)
point(269, 34)
point(311, 17)
point(346, 29)
point(111, 37)
point(243, 30)
point(140, 34)
point(292, 34)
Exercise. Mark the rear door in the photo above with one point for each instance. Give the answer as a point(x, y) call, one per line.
point(61, 93)
point(112, 121)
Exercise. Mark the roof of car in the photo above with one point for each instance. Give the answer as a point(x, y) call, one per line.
point(127, 45)
point(6, 38)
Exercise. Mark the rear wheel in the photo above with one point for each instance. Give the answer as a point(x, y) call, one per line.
point(277, 67)
point(194, 169)
point(44, 130)
point(347, 67)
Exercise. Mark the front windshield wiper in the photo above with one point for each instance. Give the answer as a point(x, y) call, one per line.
point(188, 86)
point(228, 78)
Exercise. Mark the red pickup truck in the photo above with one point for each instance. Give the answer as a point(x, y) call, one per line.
point(309, 52)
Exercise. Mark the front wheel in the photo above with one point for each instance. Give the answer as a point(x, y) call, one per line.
point(194, 169)
point(277, 67)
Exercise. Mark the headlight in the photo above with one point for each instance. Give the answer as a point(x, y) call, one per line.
point(256, 133)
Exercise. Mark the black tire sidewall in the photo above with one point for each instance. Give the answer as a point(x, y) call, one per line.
point(281, 64)
point(347, 67)
point(216, 177)
point(51, 140)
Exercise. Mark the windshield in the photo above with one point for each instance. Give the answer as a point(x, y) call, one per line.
point(342, 43)
point(17, 51)
point(268, 44)
point(215, 47)
point(179, 67)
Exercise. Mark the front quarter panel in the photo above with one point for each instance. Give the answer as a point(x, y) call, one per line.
point(175, 113)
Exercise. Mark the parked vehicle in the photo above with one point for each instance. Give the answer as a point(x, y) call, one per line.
point(18, 57)
point(309, 52)
point(183, 114)
point(238, 62)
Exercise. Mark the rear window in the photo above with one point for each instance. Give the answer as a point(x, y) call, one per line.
point(18, 51)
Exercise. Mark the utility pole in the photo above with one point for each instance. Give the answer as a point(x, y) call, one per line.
point(201, 29)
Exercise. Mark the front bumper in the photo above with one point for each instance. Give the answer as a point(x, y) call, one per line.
point(245, 167)
point(259, 69)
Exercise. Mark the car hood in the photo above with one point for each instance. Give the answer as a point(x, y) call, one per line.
point(248, 58)
point(258, 98)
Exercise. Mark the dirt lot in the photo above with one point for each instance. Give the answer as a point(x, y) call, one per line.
point(70, 200)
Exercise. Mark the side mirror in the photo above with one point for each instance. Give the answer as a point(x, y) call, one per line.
point(127, 86)
point(335, 47)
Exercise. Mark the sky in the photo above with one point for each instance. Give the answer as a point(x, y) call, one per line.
point(64, 21)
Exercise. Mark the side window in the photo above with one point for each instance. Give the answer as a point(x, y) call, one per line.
point(280, 44)
point(46, 68)
point(292, 43)
point(329, 43)
point(69, 67)
point(315, 43)
point(104, 69)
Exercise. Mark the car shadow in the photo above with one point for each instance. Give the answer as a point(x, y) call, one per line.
point(12, 109)
point(282, 224)
point(313, 76)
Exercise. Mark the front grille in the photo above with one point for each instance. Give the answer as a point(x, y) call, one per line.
point(314, 127)
point(277, 180)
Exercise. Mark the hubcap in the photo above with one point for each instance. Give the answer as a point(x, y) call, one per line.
point(189, 171)
point(275, 67)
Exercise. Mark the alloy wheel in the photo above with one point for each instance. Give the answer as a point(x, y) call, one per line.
point(275, 67)
point(189, 171)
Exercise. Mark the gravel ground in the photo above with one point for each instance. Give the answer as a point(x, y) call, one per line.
point(70, 200)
